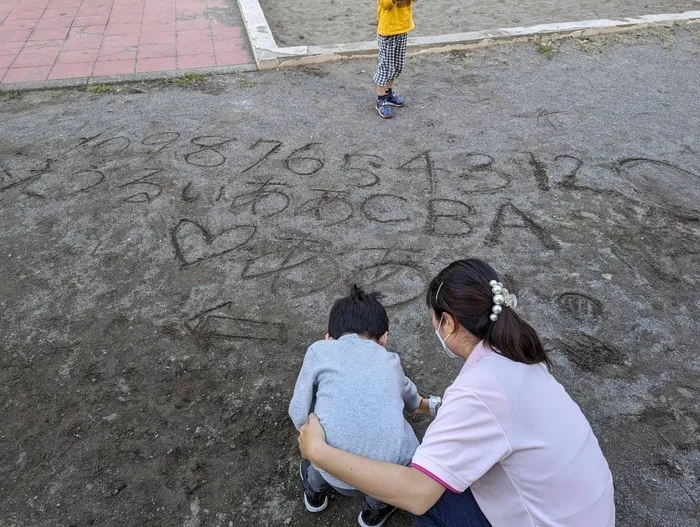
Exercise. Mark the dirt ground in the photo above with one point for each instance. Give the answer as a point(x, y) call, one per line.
point(341, 21)
point(168, 253)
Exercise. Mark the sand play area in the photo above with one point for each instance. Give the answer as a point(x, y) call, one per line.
point(169, 252)
point(307, 22)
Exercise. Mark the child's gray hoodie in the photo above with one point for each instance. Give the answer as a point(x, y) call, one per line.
point(359, 391)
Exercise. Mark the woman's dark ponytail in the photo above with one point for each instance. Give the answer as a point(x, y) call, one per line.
point(462, 289)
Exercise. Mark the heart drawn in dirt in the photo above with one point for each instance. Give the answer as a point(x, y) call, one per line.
point(193, 243)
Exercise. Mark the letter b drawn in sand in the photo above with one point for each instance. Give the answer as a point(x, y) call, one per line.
point(193, 243)
point(219, 321)
point(447, 217)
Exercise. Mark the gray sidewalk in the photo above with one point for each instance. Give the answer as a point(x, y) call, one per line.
point(168, 253)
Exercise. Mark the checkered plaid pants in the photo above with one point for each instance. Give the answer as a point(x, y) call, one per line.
point(392, 58)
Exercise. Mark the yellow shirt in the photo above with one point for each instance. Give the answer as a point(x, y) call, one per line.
point(392, 19)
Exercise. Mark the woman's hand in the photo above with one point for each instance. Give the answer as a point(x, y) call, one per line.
point(311, 438)
point(423, 407)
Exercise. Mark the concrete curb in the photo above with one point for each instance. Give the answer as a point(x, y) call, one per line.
point(122, 79)
point(269, 55)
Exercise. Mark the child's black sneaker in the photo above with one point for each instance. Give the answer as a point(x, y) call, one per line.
point(374, 517)
point(394, 100)
point(313, 501)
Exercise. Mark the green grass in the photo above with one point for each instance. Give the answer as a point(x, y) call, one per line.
point(190, 79)
point(10, 95)
point(244, 82)
point(101, 89)
point(544, 47)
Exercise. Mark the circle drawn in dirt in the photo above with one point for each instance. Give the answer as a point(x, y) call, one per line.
point(661, 183)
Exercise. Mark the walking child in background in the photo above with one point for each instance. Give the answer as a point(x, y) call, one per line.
point(394, 21)
point(359, 392)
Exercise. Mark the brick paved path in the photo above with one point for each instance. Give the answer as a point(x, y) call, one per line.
point(62, 39)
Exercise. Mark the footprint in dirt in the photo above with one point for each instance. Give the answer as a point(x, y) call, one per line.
point(592, 355)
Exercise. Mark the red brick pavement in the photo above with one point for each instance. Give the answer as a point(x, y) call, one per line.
point(44, 40)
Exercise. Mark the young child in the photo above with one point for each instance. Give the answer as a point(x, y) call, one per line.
point(359, 391)
point(394, 21)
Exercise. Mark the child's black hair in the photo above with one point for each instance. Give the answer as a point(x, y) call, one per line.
point(360, 313)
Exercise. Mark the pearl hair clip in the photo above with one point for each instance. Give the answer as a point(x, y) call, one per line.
point(501, 297)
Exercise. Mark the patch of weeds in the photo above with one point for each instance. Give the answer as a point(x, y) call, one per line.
point(189, 80)
point(588, 45)
point(315, 71)
point(544, 47)
point(695, 31)
point(244, 82)
point(101, 89)
point(460, 53)
point(10, 95)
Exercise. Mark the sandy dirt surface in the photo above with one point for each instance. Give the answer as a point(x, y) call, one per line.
point(168, 253)
point(342, 21)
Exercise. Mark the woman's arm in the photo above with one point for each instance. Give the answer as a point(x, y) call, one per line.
point(403, 487)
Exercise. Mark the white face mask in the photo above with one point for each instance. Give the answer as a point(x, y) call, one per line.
point(443, 342)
